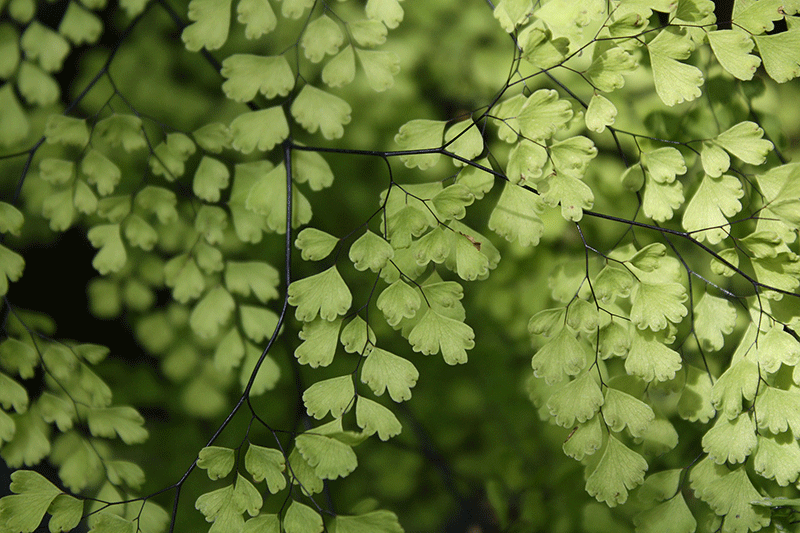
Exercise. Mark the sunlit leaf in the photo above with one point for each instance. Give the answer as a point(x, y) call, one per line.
point(315, 109)
point(675, 82)
point(212, 20)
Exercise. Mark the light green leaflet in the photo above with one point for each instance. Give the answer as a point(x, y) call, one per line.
point(315, 244)
point(216, 461)
point(323, 36)
point(320, 338)
point(372, 417)
point(435, 332)
point(12, 266)
point(111, 422)
point(675, 82)
point(266, 464)
point(334, 395)
point(387, 11)
point(324, 294)
point(370, 251)
point(563, 354)
point(380, 68)
point(418, 134)
point(600, 113)
point(619, 470)
point(578, 400)
point(732, 48)
point(249, 75)
point(729, 493)
point(210, 28)
point(260, 130)
point(384, 371)
point(330, 457)
point(315, 109)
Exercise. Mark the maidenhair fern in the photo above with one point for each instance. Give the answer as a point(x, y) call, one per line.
point(589, 203)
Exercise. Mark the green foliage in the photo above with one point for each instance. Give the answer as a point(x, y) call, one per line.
point(635, 271)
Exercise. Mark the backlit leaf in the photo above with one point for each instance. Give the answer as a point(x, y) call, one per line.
point(398, 301)
point(380, 68)
point(329, 457)
point(600, 113)
point(543, 113)
point(739, 381)
point(663, 164)
point(744, 140)
point(257, 16)
point(211, 312)
point(24, 510)
point(15, 122)
point(622, 410)
point(675, 82)
point(777, 457)
point(210, 177)
point(562, 354)
point(125, 422)
point(310, 167)
point(370, 251)
point(585, 440)
point(777, 410)
point(387, 11)
point(607, 69)
point(650, 359)
point(435, 333)
point(516, 216)
point(373, 522)
point(79, 25)
point(714, 318)
point(122, 130)
point(732, 48)
point(261, 129)
point(672, 515)
point(315, 244)
point(300, 518)
point(111, 256)
point(661, 199)
point(619, 470)
point(779, 54)
point(322, 36)
point(383, 370)
point(212, 19)
point(11, 267)
point(258, 323)
point(315, 109)
point(334, 395)
point(42, 44)
point(695, 402)
point(368, 33)
point(420, 134)
point(11, 219)
point(250, 74)
point(66, 513)
point(320, 338)
point(572, 194)
point(216, 461)
point(372, 417)
point(578, 400)
point(66, 130)
point(525, 162)
point(267, 198)
point(324, 294)
point(340, 70)
point(465, 140)
point(266, 464)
